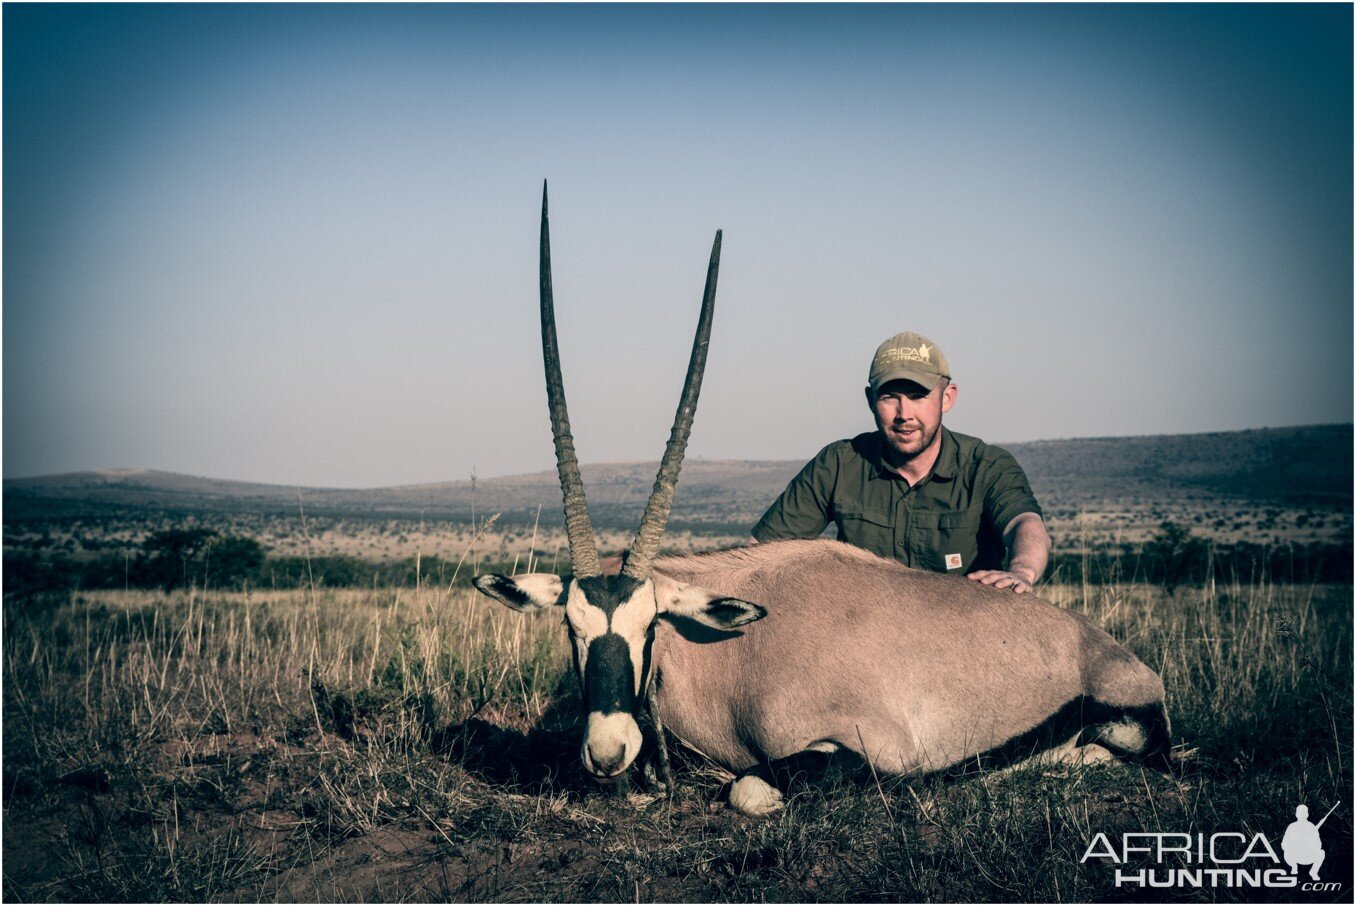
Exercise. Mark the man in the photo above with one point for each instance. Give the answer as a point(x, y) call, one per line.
point(912, 490)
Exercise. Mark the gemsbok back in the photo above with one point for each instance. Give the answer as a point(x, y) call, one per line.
point(912, 671)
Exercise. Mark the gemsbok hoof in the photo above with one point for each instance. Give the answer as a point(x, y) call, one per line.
point(755, 797)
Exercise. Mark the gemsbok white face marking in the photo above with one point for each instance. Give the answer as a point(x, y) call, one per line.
point(585, 621)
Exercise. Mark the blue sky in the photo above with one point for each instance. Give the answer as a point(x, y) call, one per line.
point(297, 244)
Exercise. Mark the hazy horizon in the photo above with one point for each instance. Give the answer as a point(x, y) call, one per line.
point(296, 244)
point(587, 464)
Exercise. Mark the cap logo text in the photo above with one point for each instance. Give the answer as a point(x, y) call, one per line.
point(921, 353)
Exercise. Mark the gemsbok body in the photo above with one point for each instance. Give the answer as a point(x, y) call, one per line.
point(753, 656)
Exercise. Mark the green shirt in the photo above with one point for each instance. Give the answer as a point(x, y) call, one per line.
point(951, 521)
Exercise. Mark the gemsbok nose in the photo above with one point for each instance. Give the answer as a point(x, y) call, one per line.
point(611, 743)
point(606, 761)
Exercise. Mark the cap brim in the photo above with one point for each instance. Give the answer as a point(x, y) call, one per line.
point(927, 379)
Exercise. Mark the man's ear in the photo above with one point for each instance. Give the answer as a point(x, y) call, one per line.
point(706, 607)
point(870, 399)
point(949, 396)
point(522, 593)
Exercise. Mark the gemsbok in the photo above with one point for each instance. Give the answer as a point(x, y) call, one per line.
point(755, 655)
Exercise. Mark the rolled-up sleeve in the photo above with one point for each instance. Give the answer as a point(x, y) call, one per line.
point(803, 509)
point(1008, 494)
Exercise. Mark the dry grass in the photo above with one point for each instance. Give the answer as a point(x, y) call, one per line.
point(421, 743)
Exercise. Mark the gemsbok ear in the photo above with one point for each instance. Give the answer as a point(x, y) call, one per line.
point(706, 607)
point(522, 593)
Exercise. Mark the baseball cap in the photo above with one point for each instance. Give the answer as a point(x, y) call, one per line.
point(908, 356)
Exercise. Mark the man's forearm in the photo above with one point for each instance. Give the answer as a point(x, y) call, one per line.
point(1028, 545)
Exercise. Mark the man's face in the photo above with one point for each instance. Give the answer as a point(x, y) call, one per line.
point(910, 416)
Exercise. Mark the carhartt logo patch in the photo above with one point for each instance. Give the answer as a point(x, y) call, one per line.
point(953, 561)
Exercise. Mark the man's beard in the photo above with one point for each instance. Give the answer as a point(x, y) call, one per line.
point(922, 443)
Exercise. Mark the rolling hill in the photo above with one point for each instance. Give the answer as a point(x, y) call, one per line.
point(1292, 467)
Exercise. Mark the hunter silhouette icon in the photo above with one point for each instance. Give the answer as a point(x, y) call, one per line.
point(1301, 844)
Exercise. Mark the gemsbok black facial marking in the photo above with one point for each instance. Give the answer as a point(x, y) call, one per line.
point(609, 683)
point(607, 593)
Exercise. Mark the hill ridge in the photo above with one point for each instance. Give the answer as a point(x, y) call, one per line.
point(112, 475)
point(1253, 465)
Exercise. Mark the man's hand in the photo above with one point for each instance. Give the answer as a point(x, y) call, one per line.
point(1000, 579)
point(1029, 548)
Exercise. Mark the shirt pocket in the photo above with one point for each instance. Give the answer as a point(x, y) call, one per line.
point(867, 528)
point(946, 541)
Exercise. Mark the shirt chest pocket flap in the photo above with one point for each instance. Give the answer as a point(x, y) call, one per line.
point(945, 540)
point(866, 527)
point(966, 520)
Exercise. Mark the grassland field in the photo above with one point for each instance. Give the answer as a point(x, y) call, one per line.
point(422, 744)
point(246, 740)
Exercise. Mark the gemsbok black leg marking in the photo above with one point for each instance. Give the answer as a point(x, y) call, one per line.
point(1084, 717)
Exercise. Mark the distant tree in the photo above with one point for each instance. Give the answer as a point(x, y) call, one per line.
point(182, 543)
point(233, 559)
point(175, 557)
point(1177, 555)
point(169, 556)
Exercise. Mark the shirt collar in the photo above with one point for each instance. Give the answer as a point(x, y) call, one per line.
point(948, 458)
point(944, 469)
